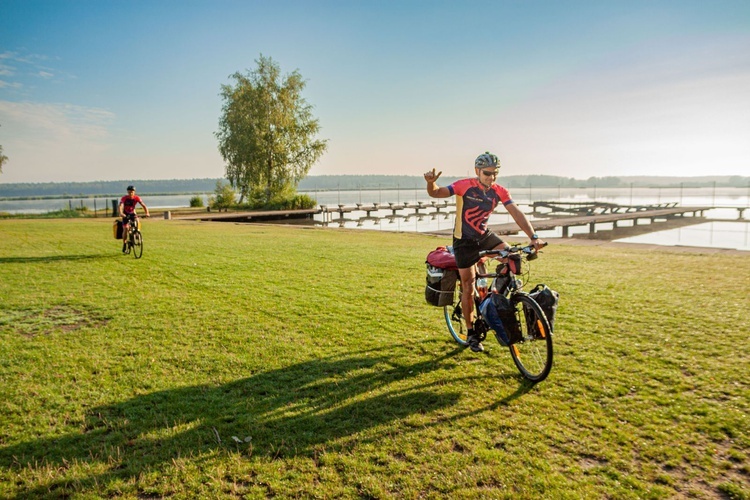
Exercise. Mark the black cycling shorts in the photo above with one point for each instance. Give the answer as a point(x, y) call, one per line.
point(467, 251)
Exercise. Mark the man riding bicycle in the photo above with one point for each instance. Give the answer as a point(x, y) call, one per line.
point(476, 199)
point(127, 213)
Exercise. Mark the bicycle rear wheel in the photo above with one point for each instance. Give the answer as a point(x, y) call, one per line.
point(533, 354)
point(137, 242)
point(454, 318)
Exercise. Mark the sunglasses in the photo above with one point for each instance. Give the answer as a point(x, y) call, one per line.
point(490, 173)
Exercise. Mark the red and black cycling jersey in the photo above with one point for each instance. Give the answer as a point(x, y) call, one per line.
point(474, 204)
point(128, 204)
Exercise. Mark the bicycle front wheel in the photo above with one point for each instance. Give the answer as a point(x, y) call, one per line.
point(533, 353)
point(137, 244)
point(454, 318)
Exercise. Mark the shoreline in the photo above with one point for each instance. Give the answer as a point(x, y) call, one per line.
point(591, 242)
point(607, 237)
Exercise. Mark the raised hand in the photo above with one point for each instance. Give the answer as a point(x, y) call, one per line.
point(431, 176)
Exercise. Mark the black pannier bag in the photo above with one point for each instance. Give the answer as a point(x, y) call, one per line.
point(547, 300)
point(117, 229)
point(500, 313)
point(441, 285)
point(507, 312)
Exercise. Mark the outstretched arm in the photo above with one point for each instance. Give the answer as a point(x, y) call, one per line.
point(145, 208)
point(524, 224)
point(433, 189)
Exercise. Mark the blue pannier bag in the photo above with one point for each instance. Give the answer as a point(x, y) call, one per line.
point(500, 315)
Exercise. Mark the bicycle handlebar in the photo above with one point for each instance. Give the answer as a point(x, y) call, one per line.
point(529, 250)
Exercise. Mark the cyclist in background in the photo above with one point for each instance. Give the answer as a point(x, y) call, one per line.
point(127, 211)
point(476, 199)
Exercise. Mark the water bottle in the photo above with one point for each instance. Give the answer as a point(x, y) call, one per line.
point(482, 287)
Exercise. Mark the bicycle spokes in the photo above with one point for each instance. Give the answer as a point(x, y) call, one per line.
point(457, 316)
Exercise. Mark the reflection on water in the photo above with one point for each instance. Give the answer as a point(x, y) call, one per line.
point(716, 234)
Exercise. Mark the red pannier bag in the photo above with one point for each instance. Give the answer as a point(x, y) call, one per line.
point(442, 258)
point(442, 275)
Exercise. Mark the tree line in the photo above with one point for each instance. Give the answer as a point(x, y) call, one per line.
point(344, 183)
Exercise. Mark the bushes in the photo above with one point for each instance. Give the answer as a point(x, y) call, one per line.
point(225, 197)
point(196, 202)
point(296, 202)
point(285, 201)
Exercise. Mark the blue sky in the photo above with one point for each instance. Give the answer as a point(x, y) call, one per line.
point(111, 90)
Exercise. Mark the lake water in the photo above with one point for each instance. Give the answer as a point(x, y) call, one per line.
point(729, 232)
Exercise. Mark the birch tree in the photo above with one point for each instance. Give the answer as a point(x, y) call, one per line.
point(267, 133)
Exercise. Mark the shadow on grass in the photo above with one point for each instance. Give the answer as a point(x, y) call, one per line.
point(57, 258)
point(320, 405)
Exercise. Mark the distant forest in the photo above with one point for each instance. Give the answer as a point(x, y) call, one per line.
point(346, 183)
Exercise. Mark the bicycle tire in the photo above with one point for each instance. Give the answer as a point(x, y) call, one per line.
point(533, 354)
point(137, 239)
point(454, 318)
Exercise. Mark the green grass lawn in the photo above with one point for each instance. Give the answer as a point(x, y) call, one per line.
point(247, 361)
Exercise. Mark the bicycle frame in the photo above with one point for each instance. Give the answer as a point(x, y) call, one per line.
point(134, 238)
point(530, 337)
point(131, 222)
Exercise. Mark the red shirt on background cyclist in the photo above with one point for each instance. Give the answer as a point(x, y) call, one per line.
point(476, 199)
point(127, 210)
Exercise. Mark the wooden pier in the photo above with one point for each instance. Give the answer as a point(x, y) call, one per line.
point(246, 216)
point(419, 207)
point(328, 212)
point(552, 208)
point(548, 215)
point(613, 215)
point(652, 215)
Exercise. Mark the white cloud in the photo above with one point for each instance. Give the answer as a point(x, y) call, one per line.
point(47, 142)
point(22, 71)
point(6, 69)
point(10, 85)
point(63, 142)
